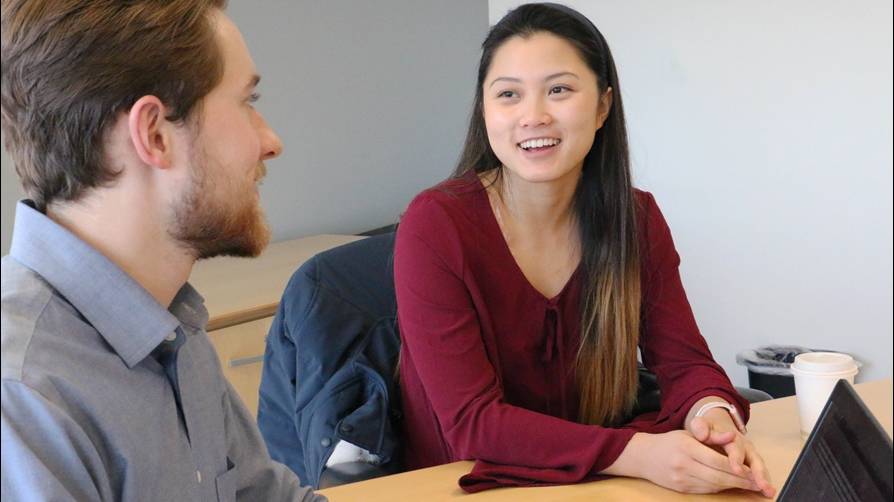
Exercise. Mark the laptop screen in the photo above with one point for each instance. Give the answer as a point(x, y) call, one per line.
point(848, 456)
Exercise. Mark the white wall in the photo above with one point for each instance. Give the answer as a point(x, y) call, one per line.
point(371, 100)
point(764, 130)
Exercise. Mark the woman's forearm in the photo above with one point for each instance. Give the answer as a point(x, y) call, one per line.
point(630, 461)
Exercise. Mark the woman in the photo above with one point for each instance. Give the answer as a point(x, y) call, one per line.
point(526, 283)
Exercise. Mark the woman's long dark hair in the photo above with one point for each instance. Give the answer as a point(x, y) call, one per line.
point(605, 209)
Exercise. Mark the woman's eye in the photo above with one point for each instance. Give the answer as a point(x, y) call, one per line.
point(506, 94)
point(558, 89)
point(254, 97)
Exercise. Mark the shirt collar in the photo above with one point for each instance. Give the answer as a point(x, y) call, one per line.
point(121, 310)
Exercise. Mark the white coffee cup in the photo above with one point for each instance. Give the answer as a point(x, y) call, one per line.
point(816, 374)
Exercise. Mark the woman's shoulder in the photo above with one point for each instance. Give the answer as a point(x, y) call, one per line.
point(443, 218)
point(656, 242)
point(452, 190)
point(644, 199)
point(453, 197)
point(647, 211)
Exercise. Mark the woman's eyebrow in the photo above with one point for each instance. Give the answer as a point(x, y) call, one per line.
point(547, 78)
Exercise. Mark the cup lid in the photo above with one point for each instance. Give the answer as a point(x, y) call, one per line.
point(824, 362)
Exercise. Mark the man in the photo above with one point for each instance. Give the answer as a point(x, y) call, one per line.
point(132, 128)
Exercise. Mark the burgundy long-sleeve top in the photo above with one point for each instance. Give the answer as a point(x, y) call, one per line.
point(487, 362)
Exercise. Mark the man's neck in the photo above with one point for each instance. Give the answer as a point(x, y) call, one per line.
point(131, 235)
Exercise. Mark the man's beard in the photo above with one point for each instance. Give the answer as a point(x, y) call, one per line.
point(208, 227)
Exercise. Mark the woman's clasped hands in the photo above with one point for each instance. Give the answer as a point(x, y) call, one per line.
point(708, 457)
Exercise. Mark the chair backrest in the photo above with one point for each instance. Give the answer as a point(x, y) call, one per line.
point(330, 359)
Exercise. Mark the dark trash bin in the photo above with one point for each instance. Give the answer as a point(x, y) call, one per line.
point(768, 368)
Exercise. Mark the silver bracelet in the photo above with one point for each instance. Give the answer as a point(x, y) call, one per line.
point(733, 413)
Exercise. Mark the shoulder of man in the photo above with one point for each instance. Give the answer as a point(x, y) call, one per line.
point(25, 296)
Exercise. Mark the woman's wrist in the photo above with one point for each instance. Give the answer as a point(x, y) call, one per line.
point(630, 461)
point(720, 419)
point(698, 405)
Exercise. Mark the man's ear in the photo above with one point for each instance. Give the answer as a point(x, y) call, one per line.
point(605, 106)
point(150, 132)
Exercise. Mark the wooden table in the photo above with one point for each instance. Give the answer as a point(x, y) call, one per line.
point(773, 428)
point(240, 290)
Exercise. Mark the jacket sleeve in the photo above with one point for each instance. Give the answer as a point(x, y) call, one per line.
point(440, 329)
point(276, 404)
point(671, 344)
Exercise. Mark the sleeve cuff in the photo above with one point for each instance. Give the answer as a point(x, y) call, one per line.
point(486, 475)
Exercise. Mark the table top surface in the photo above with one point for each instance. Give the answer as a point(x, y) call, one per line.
point(773, 428)
point(236, 284)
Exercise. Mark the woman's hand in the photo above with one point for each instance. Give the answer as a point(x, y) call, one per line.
point(678, 461)
point(716, 429)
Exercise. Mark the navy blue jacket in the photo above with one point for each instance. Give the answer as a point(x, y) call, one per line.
point(330, 360)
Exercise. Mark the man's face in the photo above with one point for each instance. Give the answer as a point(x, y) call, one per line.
point(219, 211)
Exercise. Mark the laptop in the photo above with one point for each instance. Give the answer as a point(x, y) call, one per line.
point(847, 457)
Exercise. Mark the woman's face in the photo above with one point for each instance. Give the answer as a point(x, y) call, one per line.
point(542, 107)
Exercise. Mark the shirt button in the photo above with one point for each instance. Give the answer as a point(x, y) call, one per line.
point(326, 442)
point(171, 337)
point(199, 476)
point(347, 428)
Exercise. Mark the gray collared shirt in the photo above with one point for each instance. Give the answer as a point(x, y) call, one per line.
point(89, 413)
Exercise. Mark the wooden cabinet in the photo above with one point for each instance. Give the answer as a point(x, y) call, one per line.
point(241, 351)
point(242, 295)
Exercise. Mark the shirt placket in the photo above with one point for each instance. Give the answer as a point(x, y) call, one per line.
point(170, 356)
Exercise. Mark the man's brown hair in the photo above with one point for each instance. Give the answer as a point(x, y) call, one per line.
point(69, 67)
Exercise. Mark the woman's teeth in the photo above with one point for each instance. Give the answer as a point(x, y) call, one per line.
point(539, 143)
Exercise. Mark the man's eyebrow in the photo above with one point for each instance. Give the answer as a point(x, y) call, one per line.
point(255, 80)
point(546, 79)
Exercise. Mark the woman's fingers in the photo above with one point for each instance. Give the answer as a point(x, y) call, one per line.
point(736, 455)
point(704, 432)
point(706, 479)
point(759, 471)
point(700, 429)
point(732, 444)
point(708, 457)
point(741, 467)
